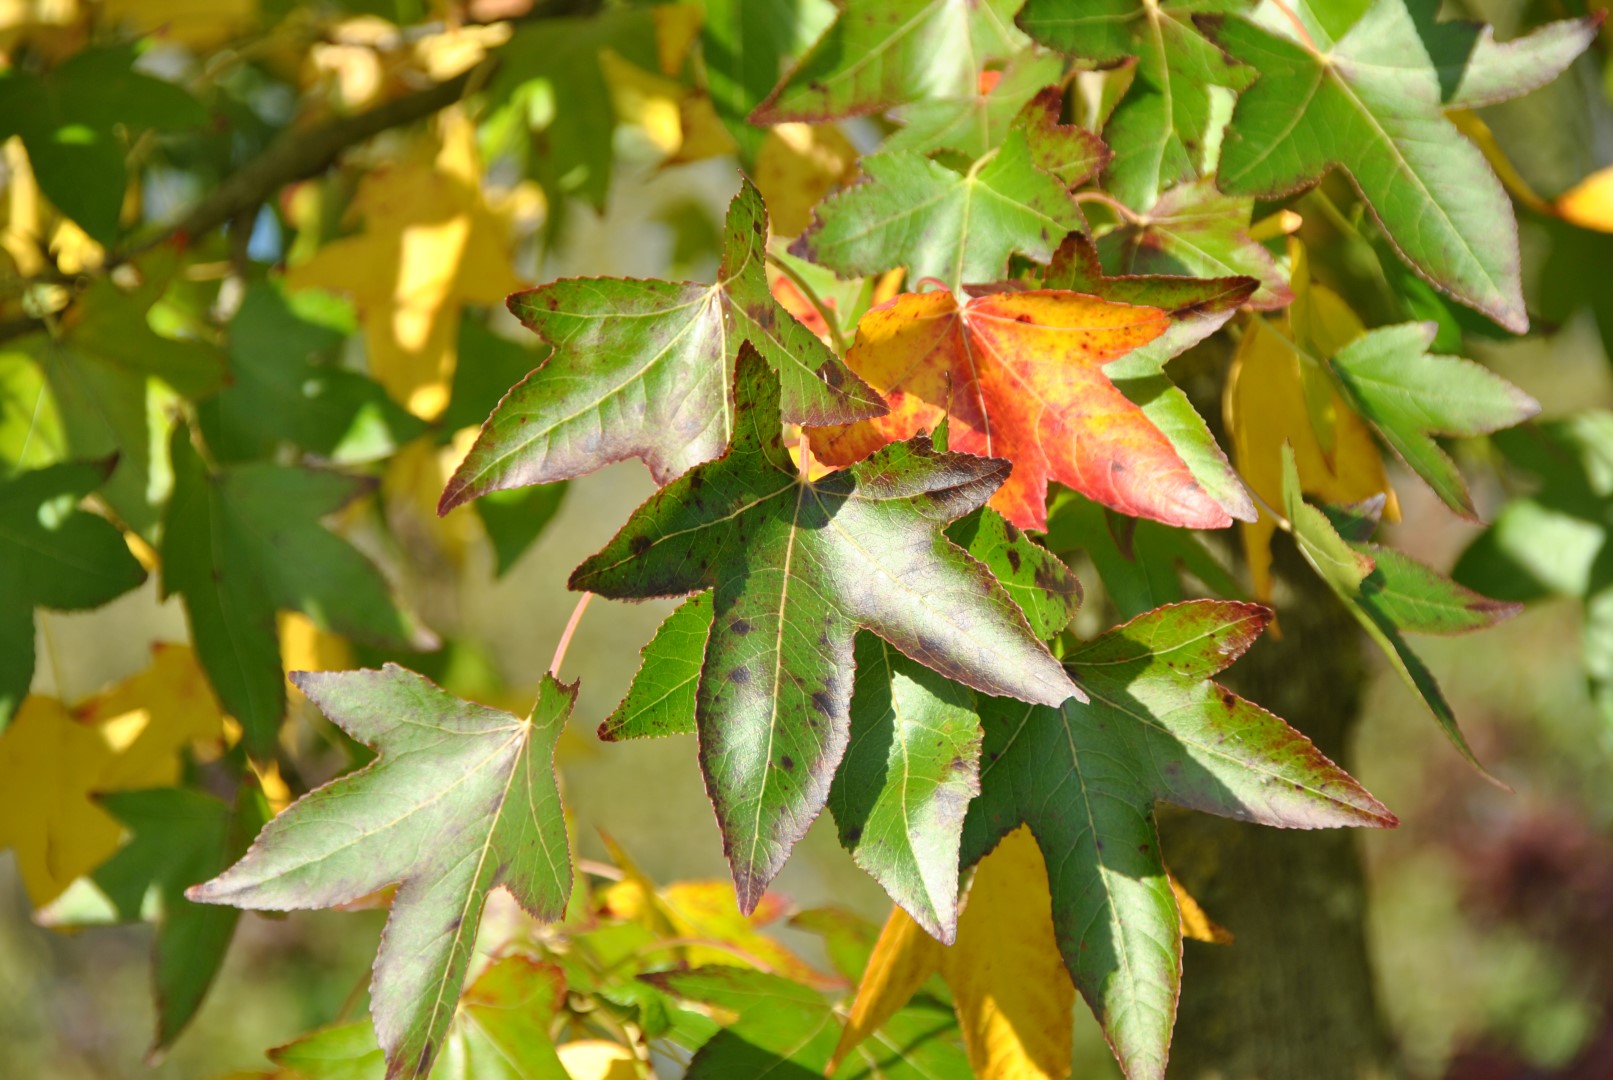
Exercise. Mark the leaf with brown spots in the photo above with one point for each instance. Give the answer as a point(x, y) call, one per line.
point(1085, 778)
point(641, 369)
point(1021, 376)
point(461, 800)
point(797, 567)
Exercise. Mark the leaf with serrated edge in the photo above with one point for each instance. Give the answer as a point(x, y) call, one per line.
point(977, 120)
point(1021, 376)
point(1370, 99)
point(1408, 395)
point(797, 567)
point(1162, 128)
point(1198, 308)
point(460, 800)
point(1085, 778)
point(642, 369)
point(882, 53)
point(959, 228)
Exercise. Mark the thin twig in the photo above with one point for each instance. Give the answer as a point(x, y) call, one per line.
point(824, 311)
point(565, 637)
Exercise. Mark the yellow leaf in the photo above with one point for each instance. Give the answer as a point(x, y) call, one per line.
point(1011, 990)
point(410, 486)
point(797, 165)
point(644, 100)
point(305, 647)
point(430, 245)
point(457, 49)
point(1195, 923)
point(1589, 203)
point(904, 958)
point(1269, 400)
point(597, 1059)
point(148, 718)
point(52, 761)
point(1013, 994)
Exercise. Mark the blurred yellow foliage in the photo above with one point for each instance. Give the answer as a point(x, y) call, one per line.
point(53, 760)
point(430, 245)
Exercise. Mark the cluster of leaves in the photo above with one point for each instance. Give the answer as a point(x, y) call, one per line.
point(882, 437)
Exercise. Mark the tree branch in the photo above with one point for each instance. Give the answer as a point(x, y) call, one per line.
point(297, 155)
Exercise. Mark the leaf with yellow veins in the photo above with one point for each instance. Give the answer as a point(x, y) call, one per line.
point(796, 166)
point(1012, 994)
point(54, 759)
point(1265, 407)
point(430, 245)
point(1021, 376)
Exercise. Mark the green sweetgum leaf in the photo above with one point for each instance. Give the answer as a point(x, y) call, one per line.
point(785, 1030)
point(1161, 129)
point(642, 369)
point(797, 568)
point(1198, 308)
point(1069, 153)
point(52, 555)
point(957, 227)
point(1085, 778)
point(976, 120)
point(283, 386)
point(178, 838)
point(69, 120)
point(1363, 87)
point(1408, 395)
point(1555, 541)
point(1196, 231)
point(913, 755)
point(883, 53)
point(243, 541)
point(460, 800)
point(1388, 593)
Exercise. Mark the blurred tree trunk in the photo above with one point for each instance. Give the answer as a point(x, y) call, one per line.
point(1293, 998)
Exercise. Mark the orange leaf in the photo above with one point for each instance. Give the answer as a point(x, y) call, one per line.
point(1021, 376)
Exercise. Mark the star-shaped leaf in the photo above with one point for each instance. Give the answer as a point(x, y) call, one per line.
point(911, 765)
point(956, 227)
point(977, 120)
point(642, 369)
point(244, 541)
point(1085, 778)
point(1410, 396)
point(1198, 308)
point(1368, 95)
point(1021, 376)
point(1197, 231)
point(1388, 593)
point(797, 568)
point(52, 555)
point(883, 53)
point(1161, 129)
point(461, 800)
